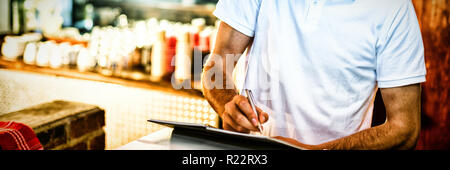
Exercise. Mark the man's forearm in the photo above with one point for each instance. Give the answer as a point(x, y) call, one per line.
point(217, 98)
point(401, 129)
point(218, 86)
point(386, 136)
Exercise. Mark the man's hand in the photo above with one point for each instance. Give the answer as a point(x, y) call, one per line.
point(239, 116)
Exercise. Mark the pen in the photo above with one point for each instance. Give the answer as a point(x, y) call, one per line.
point(252, 103)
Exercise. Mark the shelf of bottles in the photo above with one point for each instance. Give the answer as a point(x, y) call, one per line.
point(148, 49)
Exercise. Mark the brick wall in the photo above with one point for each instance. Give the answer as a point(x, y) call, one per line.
point(62, 125)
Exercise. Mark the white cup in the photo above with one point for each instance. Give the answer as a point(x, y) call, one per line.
point(29, 56)
point(13, 47)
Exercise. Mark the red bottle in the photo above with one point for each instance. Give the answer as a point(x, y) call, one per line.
point(171, 52)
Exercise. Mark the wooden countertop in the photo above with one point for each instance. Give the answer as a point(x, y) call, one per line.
point(48, 113)
point(130, 79)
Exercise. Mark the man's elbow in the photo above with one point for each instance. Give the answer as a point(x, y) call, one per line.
point(408, 135)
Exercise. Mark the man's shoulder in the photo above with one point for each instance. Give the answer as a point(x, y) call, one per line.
point(383, 5)
point(381, 11)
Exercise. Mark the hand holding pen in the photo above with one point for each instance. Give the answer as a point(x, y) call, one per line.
point(251, 100)
point(240, 116)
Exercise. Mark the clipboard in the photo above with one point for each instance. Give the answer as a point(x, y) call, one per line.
point(223, 139)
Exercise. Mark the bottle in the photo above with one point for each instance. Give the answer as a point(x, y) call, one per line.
point(55, 60)
point(29, 56)
point(65, 50)
point(146, 58)
point(45, 50)
point(158, 57)
point(213, 36)
point(171, 51)
point(197, 25)
point(84, 61)
point(73, 55)
point(183, 58)
point(13, 47)
point(18, 16)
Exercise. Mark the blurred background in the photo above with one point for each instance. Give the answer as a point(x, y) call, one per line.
point(119, 56)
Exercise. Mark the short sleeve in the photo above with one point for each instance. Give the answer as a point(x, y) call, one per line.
point(400, 51)
point(239, 14)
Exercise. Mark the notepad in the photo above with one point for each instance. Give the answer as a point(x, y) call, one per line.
point(223, 138)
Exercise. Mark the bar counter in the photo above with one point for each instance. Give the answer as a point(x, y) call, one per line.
point(130, 79)
point(128, 102)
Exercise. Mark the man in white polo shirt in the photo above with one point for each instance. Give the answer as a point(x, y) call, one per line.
point(315, 66)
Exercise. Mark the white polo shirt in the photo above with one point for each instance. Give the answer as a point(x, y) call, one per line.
point(315, 65)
